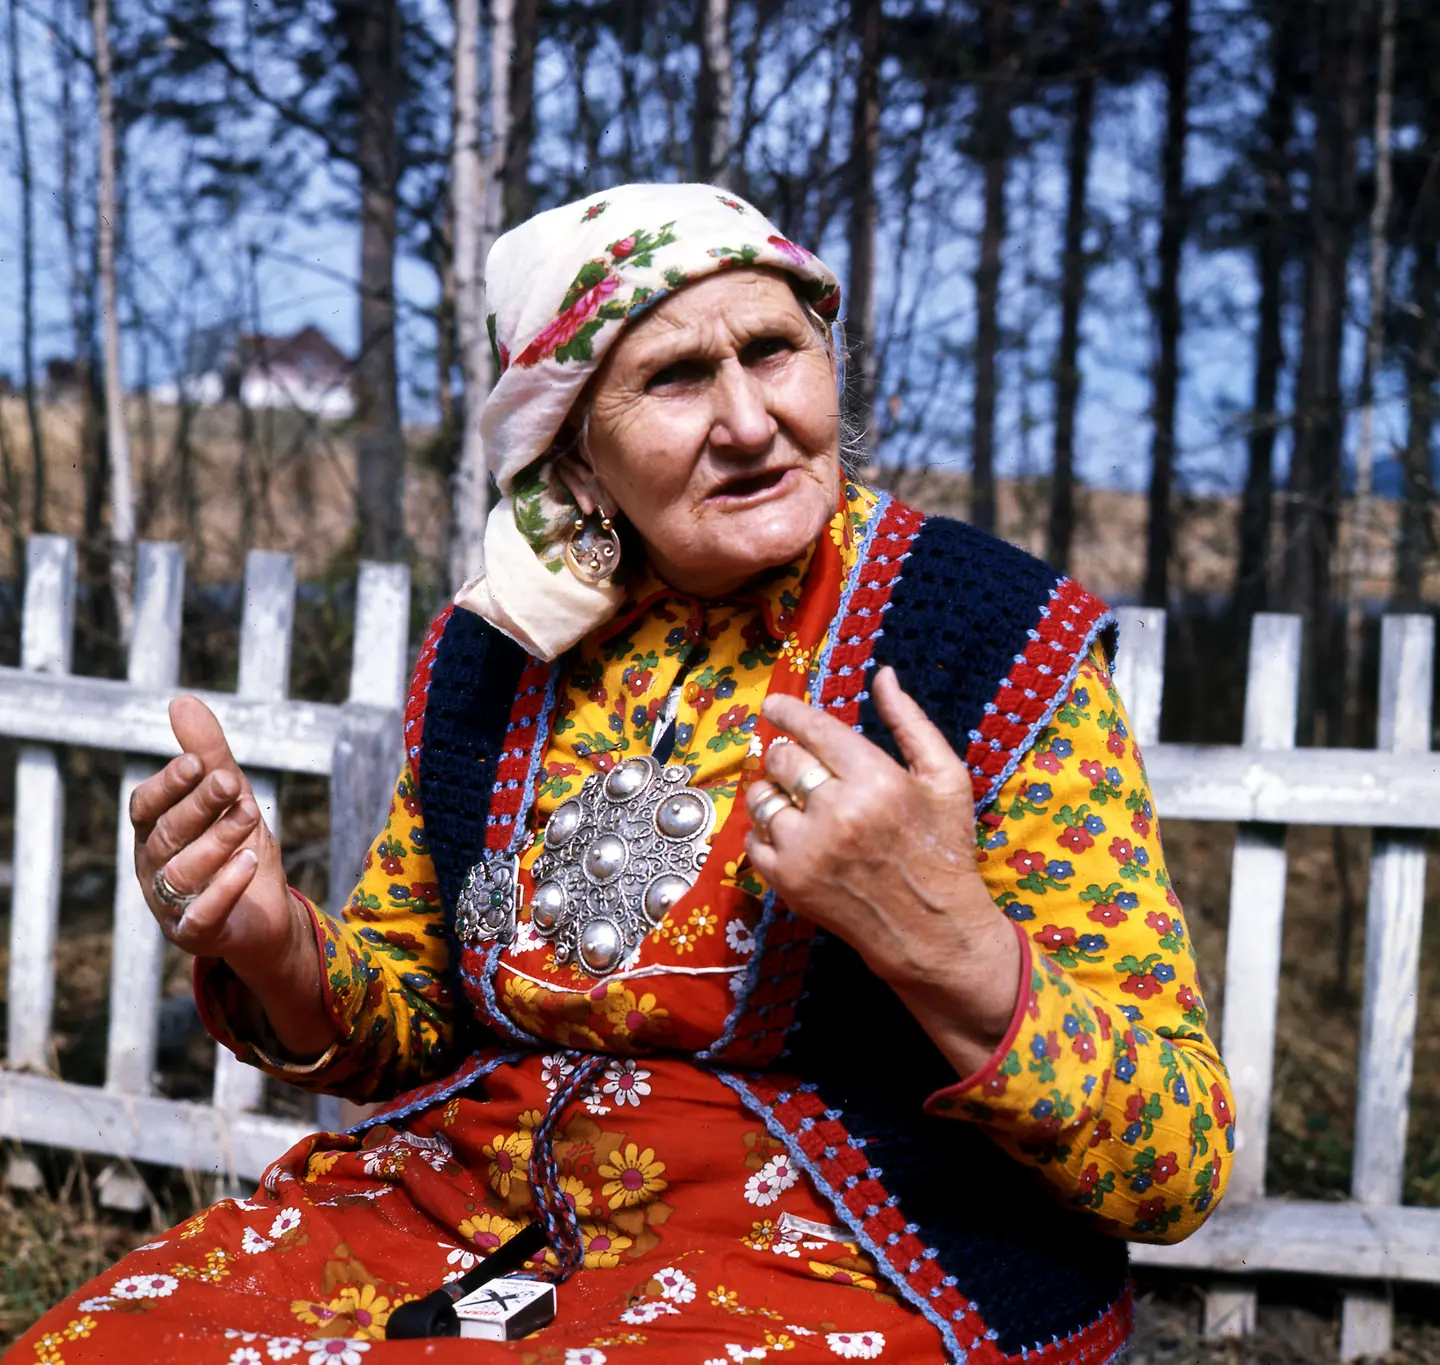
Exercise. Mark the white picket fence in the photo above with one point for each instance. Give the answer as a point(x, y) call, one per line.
point(1369, 1242)
point(356, 744)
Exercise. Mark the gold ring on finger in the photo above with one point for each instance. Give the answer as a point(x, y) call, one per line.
point(168, 896)
point(817, 775)
point(766, 812)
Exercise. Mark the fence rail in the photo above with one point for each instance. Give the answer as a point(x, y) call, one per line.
point(1262, 785)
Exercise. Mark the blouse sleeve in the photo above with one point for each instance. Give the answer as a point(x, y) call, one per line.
point(386, 975)
point(1107, 1081)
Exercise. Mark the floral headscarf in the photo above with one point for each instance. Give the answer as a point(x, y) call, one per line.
point(559, 289)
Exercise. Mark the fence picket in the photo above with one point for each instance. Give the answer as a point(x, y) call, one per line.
point(1140, 671)
point(48, 628)
point(139, 948)
point(267, 629)
point(47, 638)
point(1252, 958)
point(366, 757)
point(1395, 911)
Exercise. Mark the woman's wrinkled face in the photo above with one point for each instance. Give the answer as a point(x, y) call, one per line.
point(713, 428)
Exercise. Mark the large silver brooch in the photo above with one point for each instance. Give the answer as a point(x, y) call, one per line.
point(618, 854)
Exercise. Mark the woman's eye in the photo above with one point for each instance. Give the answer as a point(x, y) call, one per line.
point(766, 348)
point(673, 376)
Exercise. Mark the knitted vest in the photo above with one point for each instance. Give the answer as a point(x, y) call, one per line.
point(987, 639)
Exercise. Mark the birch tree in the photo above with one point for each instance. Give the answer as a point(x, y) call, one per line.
point(714, 94)
point(1374, 347)
point(27, 271)
point(476, 210)
point(122, 483)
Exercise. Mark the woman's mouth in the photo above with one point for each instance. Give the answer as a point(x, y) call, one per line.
point(754, 487)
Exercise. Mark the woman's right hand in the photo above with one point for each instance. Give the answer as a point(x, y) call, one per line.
point(197, 821)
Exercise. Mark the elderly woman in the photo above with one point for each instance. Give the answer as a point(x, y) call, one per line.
point(771, 912)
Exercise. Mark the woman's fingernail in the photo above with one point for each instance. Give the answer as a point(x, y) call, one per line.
point(189, 767)
point(246, 860)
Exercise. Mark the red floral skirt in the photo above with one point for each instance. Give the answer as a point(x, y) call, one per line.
point(702, 1243)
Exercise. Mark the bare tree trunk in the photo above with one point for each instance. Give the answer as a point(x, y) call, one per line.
point(1258, 497)
point(1422, 368)
point(122, 484)
point(1374, 349)
point(469, 494)
point(27, 275)
point(1173, 230)
point(715, 94)
point(520, 125)
point(1072, 289)
point(379, 441)
point(864, 161)
point(1313, 509)
point(995, 136)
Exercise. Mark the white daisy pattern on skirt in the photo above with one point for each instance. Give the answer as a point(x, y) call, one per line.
point(144, 1287)
point(283, 1348)
point(459, 1257)
point(856, 1345)
point(246, 1355)
point(584, 1355)
point(253, 1243)
point(647, 1311)
point(554, 1068)
point(675, 1285)
point(626, 1082)
point(287, 1220)
point(336, 1351)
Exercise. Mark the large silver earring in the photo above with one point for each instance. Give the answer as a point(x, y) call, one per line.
point(593, 553)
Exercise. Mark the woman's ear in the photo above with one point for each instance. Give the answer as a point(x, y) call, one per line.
point(573, 469)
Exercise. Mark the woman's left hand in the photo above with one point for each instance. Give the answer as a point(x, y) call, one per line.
point(884, 856)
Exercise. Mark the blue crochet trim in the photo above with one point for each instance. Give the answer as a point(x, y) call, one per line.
point(428, 1101)
point(818, 676)
point(852, 581)
point(541, 725)
point(1108, 621)
point(956, 1352)
point(752, 979)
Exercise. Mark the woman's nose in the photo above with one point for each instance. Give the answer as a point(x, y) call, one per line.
point(742, 420)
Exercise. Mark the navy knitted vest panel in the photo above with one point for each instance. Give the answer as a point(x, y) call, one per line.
point(472, 684)
point(960, 613)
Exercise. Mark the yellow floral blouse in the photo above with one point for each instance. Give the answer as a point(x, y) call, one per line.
point(1107, 1082)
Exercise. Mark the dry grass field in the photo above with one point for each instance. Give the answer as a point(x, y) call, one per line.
point(302, 481)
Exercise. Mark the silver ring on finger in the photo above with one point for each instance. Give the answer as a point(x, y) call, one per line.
point(766, 812)
point(177, 901)
point(815, 776)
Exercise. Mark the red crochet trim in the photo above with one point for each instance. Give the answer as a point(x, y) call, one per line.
point(506, 796)
point(1094, 1344)
point(419, 692)
point(770, 1009)
point(521, 737)
point(1027, 695)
